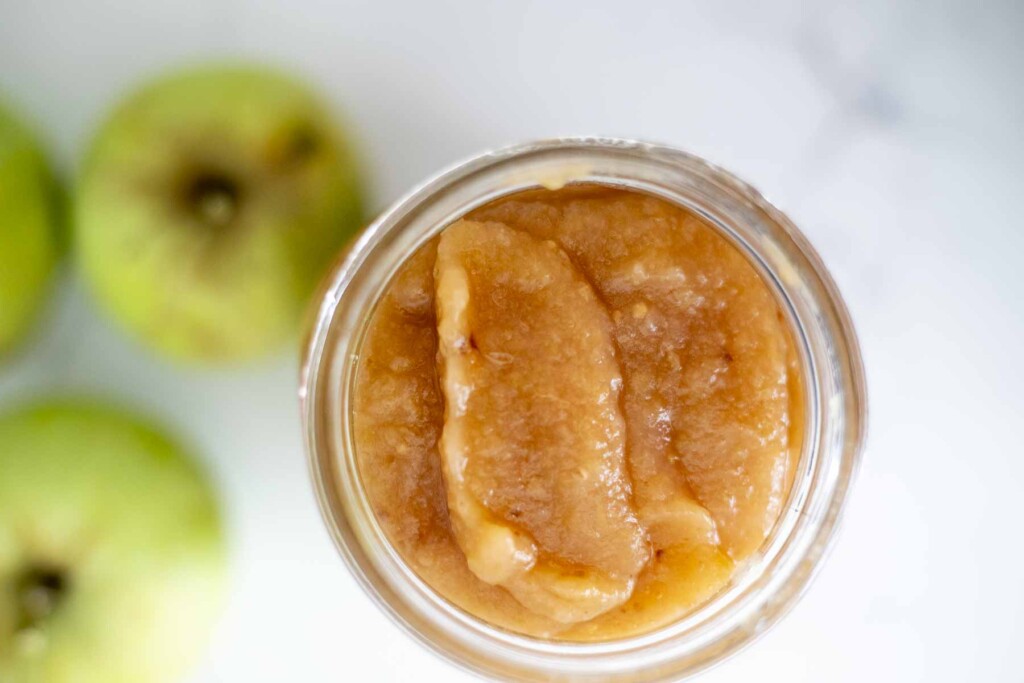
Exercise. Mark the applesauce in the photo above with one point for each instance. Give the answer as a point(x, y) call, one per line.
point(604, 430)
point(576, 411)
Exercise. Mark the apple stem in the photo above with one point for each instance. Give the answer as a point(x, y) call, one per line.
point(38, 593)
point(214, 199)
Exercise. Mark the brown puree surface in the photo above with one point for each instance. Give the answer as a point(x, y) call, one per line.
point(576, 411)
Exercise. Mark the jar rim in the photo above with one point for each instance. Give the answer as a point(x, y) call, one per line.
point(834, 387)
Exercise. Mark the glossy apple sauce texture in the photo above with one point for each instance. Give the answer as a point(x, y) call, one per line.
point(576, 411)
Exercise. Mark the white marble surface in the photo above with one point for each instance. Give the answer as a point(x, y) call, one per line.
point(892, 133)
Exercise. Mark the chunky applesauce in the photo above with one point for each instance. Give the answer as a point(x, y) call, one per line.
point(576, 411)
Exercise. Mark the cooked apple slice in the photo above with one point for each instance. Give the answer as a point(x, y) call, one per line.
point(397, 418)
point(709, 386)
point(674, 583)
point(533, 445)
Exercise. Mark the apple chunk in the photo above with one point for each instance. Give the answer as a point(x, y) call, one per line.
point(533, 445)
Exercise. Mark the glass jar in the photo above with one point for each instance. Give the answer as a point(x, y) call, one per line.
point(767, 585)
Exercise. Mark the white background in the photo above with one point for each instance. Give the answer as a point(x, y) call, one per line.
point(891, 132)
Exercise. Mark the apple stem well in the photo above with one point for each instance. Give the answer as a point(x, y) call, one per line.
point(214, 199)
point(39, 592)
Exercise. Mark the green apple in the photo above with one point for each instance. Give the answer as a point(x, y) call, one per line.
point(111, 552)
point(28, 236)
point(208, 208)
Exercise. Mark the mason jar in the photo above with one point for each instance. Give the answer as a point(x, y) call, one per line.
point(766, 585)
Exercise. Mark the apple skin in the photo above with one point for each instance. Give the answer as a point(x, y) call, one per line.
point(208, 208)
point(28, 235)
point(132, 526)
